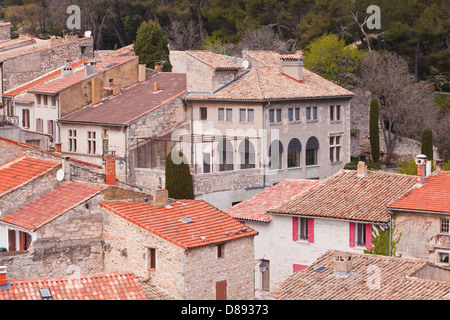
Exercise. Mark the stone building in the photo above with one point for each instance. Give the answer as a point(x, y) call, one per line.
point(188, 248)
point(422, 217)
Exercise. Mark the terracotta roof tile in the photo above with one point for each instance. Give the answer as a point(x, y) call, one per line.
point(213, 60)
point(103, 286)
point(139, 99)
point(397, 281)
point(256, 207)
point(347, 196)
point(49, 206)
point(60, 84)
point(434, 195)
point(269, 83)
point(209, 226)
point(21, 170)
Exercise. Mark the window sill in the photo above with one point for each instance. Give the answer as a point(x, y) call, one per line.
point(312, 121)
point(335, 121)
point(312, 166)
point(303, 242)
point(294, 168)
point(334, 163)
point(152, 269)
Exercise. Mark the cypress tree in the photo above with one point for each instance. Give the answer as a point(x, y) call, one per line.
point(178, 178)
point(427, 144)
point(374, 130)
point(151, 45)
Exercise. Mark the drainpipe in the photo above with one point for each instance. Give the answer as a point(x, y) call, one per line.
point(264, 148)
point(126, 152)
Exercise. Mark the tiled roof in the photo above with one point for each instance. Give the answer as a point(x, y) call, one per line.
point(51, 205)
point(269, 83)
point(102, 286)
point(210, 225)
point(255, 208)
point(139, 100)
point(347, 196)
point(396, 281)
point(213, 60)
point(41, 80)
point(21, 170)
point(58, 85)
point(434, 195)
point(271, 58)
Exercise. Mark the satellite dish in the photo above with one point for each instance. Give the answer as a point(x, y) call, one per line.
point(88, 34)
point(245, 64)
point(60, 175)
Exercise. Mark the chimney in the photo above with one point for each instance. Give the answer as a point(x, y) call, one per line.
point(343, 265)
point(58, 147)
point(90, 68)
point(142, 73)
point(158, 66)
point(67, 70)
point(421, 161)
point(160, 198)
point(293, 67)
point(429, 168)
point(96, 91)
point(66, 168)
point(439, 163)
point(110, 169)
point(3, 274)
point(362, 170)
point(157, 86)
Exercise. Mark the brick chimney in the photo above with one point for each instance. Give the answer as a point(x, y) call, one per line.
point(110, 169)
point(160, 198)
point(361, 170)
point(96, 91)
point(421, 161)
point(3, 274)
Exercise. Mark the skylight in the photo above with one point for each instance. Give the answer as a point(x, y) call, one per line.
point(186, 220)
point(45, 294)
point(321, 269)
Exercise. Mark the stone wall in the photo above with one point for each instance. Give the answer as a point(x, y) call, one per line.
point(204, 270)
point(230, 180)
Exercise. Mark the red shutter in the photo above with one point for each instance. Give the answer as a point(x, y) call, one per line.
point(294, 229)
point(310, 230)
point(368, 236)
point(352, 234)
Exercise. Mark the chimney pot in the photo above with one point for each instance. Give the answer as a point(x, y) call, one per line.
point(343, 263)
point(439, 163)
point(160, 198)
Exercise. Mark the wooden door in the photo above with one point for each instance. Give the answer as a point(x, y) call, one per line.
point(221, 290)
point(12, 240)
point(265, 283)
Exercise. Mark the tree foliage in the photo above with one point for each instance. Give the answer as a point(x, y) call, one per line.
point(374, 130)
point(385, 240)
point(178, 177)
point(427, 143)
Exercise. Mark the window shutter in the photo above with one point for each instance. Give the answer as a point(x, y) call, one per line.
point(294, 229)
point(310, 230)
point(352, 234)
point(368, 236)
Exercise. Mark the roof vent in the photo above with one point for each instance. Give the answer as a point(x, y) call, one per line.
point(186, 220)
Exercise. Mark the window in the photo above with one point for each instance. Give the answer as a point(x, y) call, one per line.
point(229, 115)
point(294, 149)
point(151, 258)
point(297, 114)
point(443, 258)
point(275, 155)
point(220, 251)
point(206, 163)
point(39, 125)
point(278, 115)
point(360, 234)
point(51, 127)
point(221, 114)
point(225, 150)
point(291, 114)
point(303, 229)
point(335, 113)
point(242, 115)
point(445, 226)
point(247, 154)
point(26, 118)
point(271, 115)
point(72, 140)
point(38, 100)
point(251, 115)
point(311, 113)
point(203, 113)
point(45, 101)
point(92, 143)
point(335, 148)
point(312, 151)
point(53, 99)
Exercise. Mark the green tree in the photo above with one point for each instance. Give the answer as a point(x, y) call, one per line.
point(331, 58)
point(151, 45)
point(384, 241)
point(374, 130)
point(178, 177)
point(408, 167)
point(427, 144)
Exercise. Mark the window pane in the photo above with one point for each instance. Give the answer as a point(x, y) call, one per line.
point(303, 228)
point(242, 115)
point(338, 153)
point(203, 113)
point(338, 113)
point(271, 115)
point(294, 159)
point(278, 115)
point(331, 113)
point(251, 115)
point(308, 113)
point(297, 114)
point(229, 114)
point(291, 114)
point(206, 163)
point(332, 154)
point(221, 114)
point(314, 113)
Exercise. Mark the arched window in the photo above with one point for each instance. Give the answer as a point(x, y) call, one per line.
point(294, 149)
point(275, 155)
point(247, 154)
point(225, 152)
point(312, 151)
